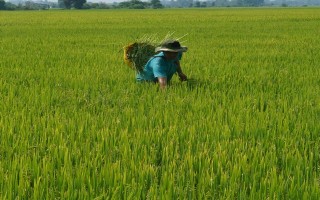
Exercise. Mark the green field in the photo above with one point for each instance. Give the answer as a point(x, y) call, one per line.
point(74, 124)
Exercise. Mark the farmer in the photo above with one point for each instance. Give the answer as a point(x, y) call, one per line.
point(162, 66)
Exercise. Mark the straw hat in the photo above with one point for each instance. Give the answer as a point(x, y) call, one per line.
point(172, 46)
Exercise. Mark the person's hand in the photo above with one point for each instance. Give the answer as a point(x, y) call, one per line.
point(182, 77)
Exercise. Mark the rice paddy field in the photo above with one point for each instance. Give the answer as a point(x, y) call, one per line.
point(74, 124)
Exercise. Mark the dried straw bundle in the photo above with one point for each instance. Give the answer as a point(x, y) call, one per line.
point(137, 54)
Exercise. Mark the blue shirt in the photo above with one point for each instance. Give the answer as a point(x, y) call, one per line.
point(158, 66)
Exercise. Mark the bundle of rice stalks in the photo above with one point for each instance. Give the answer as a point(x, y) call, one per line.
point(137, 54)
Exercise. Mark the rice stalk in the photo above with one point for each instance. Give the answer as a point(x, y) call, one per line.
point(137, 54)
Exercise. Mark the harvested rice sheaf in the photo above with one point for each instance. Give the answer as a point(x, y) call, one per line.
point(137, 54)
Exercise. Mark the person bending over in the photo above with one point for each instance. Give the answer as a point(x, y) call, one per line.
point(161, 67)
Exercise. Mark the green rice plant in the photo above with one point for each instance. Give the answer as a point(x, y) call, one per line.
point(75, 125)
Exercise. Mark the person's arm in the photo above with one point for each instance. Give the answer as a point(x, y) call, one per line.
point(181, 75)
point(162, 82)
point(159, 72)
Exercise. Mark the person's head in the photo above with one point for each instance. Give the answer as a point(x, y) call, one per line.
point(169, 55)
point(171, 48)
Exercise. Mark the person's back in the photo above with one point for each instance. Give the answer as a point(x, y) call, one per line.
point(158, 66)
